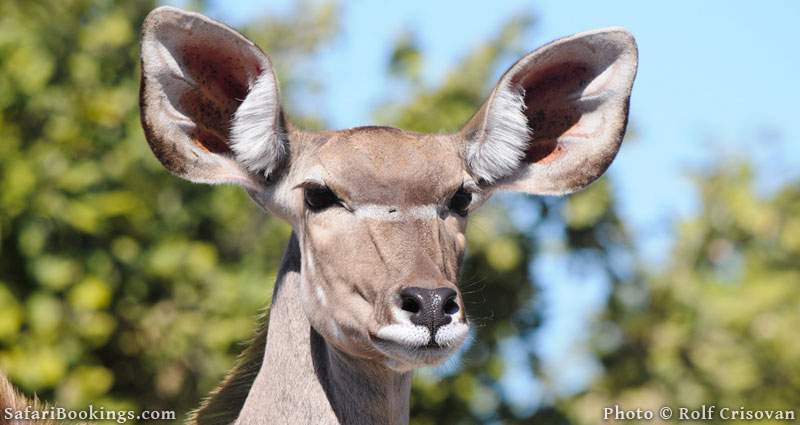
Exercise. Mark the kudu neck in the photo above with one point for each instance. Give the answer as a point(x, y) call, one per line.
point(303, 379)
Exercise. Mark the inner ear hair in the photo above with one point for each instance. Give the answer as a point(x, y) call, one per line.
point(209, 100)
point(557, 117)
point(498, 139)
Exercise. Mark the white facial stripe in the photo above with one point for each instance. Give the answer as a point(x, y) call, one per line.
point(390, 213)
point(452, 334)
point(408, 335)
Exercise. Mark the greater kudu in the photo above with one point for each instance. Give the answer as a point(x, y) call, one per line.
point(367, 291)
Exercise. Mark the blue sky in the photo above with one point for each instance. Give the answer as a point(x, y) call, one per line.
point(717, 80)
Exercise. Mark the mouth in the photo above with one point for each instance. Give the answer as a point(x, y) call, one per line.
point(430, 348)
point(408, 347)
point(405, 357)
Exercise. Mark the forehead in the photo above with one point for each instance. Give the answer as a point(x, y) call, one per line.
point(381, 165)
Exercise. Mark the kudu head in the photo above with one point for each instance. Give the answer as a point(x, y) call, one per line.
point(379, 212)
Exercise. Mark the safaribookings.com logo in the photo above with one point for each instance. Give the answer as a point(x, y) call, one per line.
point(56, 413)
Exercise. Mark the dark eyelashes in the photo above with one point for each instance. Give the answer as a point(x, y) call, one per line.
point(318, 198)
point(460, 202)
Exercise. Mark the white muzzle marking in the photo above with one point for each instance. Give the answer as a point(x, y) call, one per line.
point(451, 334)
point(405, 334)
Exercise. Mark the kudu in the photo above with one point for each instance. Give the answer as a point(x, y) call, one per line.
point(367, 290)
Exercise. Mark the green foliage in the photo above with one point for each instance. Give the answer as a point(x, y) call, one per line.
point(718, 326)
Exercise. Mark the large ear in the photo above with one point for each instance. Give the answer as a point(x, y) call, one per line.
point(556, 119)
point(209, 101)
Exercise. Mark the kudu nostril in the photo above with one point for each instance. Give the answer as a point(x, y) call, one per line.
point(431, 308)
point(410, 303)
point(450, 305)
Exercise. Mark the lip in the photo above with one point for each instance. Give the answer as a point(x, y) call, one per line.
point(429, 347)
point(422, 354)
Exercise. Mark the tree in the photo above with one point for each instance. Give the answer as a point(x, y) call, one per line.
point(718, 325)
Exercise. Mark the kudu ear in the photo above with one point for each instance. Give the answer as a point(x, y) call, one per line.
point(556, 119)
point(209, 101)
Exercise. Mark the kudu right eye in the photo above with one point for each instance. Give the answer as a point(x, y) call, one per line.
point(318, 198)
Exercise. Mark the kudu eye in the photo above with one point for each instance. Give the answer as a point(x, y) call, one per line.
point(318, 198)
point(459, 203)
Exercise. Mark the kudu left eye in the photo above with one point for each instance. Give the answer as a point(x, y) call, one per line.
point(318, 198)
point(459, 203)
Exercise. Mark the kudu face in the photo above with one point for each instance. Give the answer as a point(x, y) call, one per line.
point(379, 212)
point(381, 232)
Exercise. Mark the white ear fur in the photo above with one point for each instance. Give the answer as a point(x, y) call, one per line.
point(257, 138)
point(210, 103)
point(557, 117)
point(497, 150)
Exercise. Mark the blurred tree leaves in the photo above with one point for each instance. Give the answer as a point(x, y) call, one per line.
point(718, 325)
point(125, 287)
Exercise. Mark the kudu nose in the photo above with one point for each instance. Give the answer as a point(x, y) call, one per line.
point(432, 308)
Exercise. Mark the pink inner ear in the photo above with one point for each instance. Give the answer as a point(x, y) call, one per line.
point(551, 97)
point(221, 77)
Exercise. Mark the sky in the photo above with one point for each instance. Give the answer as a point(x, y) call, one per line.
point(717, 80)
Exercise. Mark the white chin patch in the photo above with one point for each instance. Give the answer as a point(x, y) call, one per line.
point(452, 334)
point(405, 334)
